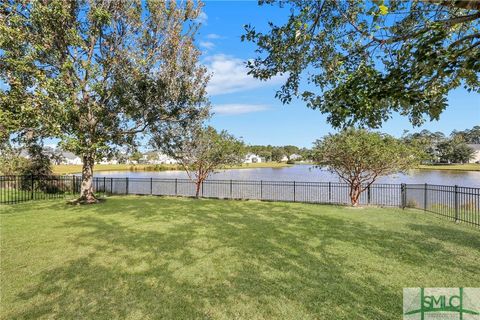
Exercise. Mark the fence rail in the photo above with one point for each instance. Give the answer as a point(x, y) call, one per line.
point(453, 202)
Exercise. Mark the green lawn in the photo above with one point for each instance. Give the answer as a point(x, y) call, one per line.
point(73, 168)
point(15, 195)
point(457, 167)
point(169, 258)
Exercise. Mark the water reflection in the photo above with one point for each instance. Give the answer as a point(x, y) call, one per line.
point(309, 173)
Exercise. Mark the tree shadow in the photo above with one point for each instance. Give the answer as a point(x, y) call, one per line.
point(452, 235)
point(223, 259)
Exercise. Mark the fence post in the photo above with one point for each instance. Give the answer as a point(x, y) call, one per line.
point(151, 186)
point(425, 198)
point(32, 186)
point(111, 185)
point(294, 198)
point(104, 186)
point(261, 189)
point(403, 195)
point(368, 195)
point(126, 185)
point(231, 189)
point(456, 204)
point(329, 192)
point(176, 186)
point(73, 184)
point(202, 188)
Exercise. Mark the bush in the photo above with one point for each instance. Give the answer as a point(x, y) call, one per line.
point(411, 204)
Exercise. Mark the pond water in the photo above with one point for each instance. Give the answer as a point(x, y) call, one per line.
point(310, 173)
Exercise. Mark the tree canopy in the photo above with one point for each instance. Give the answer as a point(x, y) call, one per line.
point(98, 75)
point(369, 59)
point(440, 148)
point(359, 157)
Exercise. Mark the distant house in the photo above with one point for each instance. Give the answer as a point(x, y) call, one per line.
point(476, 155)
point(155, 157)
point(284, 159)
point(70, 158)
point(252, 158)
point(295, 157)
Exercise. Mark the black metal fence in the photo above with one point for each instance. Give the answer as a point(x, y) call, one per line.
point(453, 202)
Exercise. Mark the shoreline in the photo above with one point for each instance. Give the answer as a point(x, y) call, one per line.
point(469, 167)
point(74, 169)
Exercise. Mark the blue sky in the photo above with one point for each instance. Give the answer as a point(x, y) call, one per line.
point(247, 107)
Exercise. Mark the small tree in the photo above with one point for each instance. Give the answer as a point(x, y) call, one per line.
point(267, 155)
point(136, 157)
point(201, 150)
point(277, 154)
point(39, 164)
point(359, 157)
point(11, 163)
point(462, 153)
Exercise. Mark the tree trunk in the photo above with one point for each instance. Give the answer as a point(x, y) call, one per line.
point(198, 184)
point(86, 189)
point(355, 191)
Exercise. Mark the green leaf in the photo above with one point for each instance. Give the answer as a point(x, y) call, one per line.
point(383, 9)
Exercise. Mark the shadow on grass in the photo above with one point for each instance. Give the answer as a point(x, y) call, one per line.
point(470, 238)
point(225, 259)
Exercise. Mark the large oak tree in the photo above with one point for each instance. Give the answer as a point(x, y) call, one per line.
point(364, 60)
point(98, 75)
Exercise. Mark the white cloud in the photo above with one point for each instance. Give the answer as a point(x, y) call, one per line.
point(234, 108)
point(229, 74)
point(213, 36)
point(207, 44)
point(202, 18)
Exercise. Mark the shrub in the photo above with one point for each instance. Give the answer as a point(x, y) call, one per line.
point(411, 204)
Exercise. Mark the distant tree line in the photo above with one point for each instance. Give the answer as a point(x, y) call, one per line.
point(440, 148)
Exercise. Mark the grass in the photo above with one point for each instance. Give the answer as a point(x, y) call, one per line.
point(271, 164)
point(13, 195)
point(458, 167)
point(69, 169)
point(169, 258)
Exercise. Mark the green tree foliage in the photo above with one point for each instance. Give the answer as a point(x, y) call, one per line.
point(30, 159)
point(454, 150)
point(200, 150)
point(265, 154)
point(11, 163)
point(426, 141)
point(136, 156)
point(98, 74)
point(277, 154)
point(39, 164)
point(289, 150)
point(370, 59)
point(359, 157)
point(442, 149)
point(468, 135)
